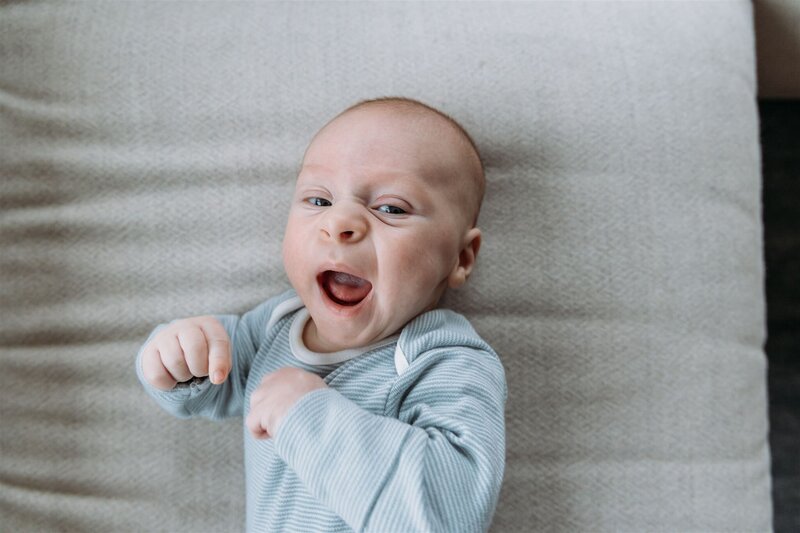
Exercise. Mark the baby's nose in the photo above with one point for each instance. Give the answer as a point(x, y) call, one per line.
point(344, 225)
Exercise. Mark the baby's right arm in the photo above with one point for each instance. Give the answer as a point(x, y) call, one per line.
point(188, 348)
point(176, 358)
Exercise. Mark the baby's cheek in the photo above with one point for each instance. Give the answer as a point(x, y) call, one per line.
point(293, 239)
point(293, 255)
point(423, 266)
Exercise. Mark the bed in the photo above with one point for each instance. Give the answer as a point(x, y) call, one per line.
point(147, 153)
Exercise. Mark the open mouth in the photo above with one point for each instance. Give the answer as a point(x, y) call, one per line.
point(343, 288)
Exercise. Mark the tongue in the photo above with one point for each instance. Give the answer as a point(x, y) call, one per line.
point(348, 289)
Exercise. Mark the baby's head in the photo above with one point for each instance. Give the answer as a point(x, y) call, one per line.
point(383, 220)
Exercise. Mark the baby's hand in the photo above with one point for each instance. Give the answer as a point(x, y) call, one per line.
point(192, 347)
point(278, 392)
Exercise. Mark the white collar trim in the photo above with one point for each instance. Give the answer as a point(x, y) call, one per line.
point(305, 355)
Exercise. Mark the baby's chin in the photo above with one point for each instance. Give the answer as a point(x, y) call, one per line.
point(334, 338)
point(330, 338)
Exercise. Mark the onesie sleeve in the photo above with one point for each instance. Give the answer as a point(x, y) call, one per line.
point(201, 398)
point(438, 466)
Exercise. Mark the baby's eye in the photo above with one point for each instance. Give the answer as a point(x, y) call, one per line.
point(391, 209)
point(319, 202)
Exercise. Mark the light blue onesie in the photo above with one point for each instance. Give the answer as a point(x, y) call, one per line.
point(410, 436)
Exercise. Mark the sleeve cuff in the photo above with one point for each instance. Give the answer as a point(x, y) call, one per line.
point(308, 406)
point(174, 399)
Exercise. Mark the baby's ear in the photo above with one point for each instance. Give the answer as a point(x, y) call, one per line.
point(466, 258)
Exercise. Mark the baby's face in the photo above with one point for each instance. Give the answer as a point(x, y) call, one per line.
point(379, 226)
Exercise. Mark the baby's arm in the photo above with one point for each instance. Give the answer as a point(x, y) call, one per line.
point(175, 363)
point(437, 467)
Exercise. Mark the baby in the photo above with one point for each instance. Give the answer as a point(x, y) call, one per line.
point(366, 407)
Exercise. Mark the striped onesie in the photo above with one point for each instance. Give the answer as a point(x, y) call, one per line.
point(409, 436)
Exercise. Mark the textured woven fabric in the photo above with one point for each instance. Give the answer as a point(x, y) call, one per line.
point(147, 155)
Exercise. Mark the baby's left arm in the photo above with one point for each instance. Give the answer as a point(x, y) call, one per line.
point(275, 396)
point(438, 466)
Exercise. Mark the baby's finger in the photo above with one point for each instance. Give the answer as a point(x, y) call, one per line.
point(256, 425)
point(195, 350)
point(173, 359)
point(154, 371)
point(219, 350)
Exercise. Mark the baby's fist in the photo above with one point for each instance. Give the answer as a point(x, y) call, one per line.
point(278, 392)
point(192, 347)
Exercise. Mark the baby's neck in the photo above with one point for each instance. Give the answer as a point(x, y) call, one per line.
point(313, 341)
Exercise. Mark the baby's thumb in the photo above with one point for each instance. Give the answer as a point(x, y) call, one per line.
point(219, 352)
